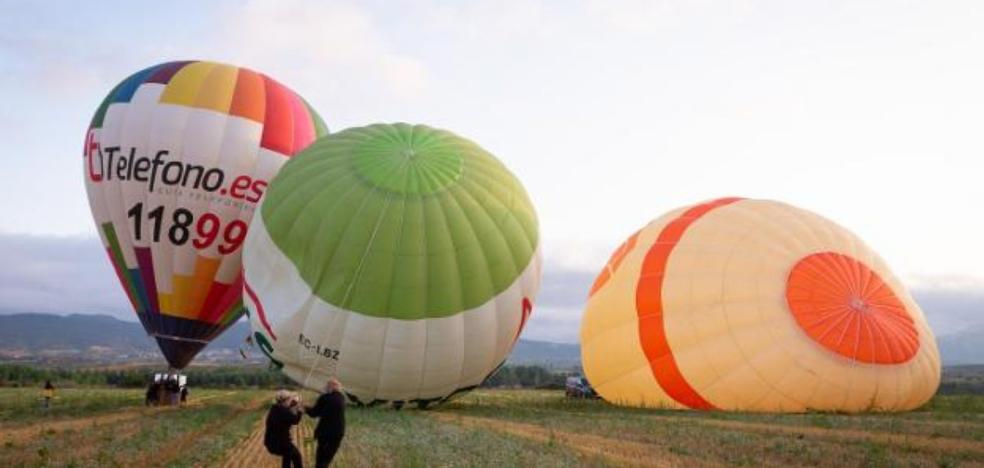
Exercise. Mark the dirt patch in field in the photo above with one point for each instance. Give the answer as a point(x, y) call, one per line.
point(931, 444)
point(618, 452)
point(251, 452)
point(175, 448)
point(39, 429)
point(84, 444)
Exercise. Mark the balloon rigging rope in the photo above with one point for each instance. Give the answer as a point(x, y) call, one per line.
point(358, 271)
point(348, 291)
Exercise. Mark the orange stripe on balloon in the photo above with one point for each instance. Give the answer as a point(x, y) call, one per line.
point(649, 307)
point(847, 308)
point(249, 100)
point(613, 263)
point(205, 269)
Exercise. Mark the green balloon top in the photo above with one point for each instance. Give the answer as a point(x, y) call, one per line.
point(409, 163)
point(401, 221)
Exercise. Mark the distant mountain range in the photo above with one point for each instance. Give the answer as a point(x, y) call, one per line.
point(101, 338)
point(965, 347)
point(47, 332)
point(104, 339)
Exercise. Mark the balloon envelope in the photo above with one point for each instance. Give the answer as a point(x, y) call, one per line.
point(175, 160)
point(403, 260)
point(738, 304)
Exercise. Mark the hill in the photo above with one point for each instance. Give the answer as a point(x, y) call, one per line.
point(545, 353)
point(102, 338)
point(965, 347)
point(107, 339)
point(79, 338)
point(39, 332)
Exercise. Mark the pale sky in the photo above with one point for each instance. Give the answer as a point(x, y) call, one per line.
point(610, 112)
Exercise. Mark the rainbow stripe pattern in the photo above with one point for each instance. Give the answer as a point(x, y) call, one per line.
point(176, 157)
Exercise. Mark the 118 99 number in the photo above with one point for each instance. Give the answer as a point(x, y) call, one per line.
point(206, 230)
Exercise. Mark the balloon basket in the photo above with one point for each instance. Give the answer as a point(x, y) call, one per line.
point(167, 389)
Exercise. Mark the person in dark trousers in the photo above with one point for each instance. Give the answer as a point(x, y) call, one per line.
point(283, 415)
point(173, 390)
point(48, 393)
point(330, 411)
point(153, 393)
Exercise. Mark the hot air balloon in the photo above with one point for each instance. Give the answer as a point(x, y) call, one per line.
point(756, 305)
point(175, 160)
point(401, 259)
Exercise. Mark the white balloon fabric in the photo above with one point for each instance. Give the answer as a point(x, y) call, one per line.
point(401, 259)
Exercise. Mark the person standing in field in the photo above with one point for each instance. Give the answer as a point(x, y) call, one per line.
point(153, 394)
point(173, 390)
point(330, 411)
point(284, 414)
point(48, 393)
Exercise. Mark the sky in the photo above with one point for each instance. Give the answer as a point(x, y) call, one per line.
point(610, 112)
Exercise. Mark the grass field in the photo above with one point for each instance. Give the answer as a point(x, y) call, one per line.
point(109, 427)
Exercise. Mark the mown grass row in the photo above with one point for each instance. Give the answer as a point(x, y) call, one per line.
point(189, 436)
point(742, 438)
point(945, 416)
point(24, 405)
point(387, 438)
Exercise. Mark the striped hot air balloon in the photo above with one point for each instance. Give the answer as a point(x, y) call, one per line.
point(401, 259)
point(175, 160)
point(738, 304)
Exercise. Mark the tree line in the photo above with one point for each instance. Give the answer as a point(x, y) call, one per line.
point(19, 375)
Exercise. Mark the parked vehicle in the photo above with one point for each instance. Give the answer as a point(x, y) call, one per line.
point(578, 387)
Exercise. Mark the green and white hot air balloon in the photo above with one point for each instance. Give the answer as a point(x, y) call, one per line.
point(401, 259)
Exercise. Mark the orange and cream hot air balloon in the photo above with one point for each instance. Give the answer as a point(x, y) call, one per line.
point(755, 305)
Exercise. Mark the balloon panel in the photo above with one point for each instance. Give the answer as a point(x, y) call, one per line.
point(176, 157)
point(402, 259)
point(755, 305)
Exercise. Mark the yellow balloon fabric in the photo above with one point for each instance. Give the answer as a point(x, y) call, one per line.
point(755, 305)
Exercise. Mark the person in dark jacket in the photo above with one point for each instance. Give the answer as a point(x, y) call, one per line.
point(173, 390)
point(153, 394)
point(48, 393)
point(330, 411)
point(283, 414)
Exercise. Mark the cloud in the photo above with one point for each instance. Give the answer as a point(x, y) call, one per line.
point(59, 275)
point(488, 23)
point(335, 51)
point(647, 17)
point(559, 325)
